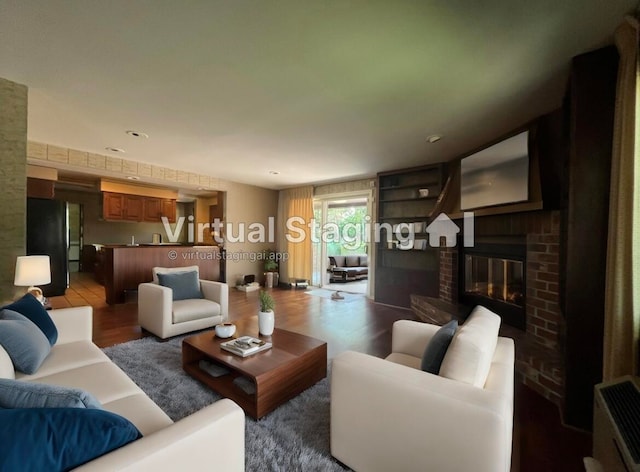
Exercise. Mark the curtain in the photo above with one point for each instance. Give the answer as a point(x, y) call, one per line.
point(622, 291)
point(295, 212)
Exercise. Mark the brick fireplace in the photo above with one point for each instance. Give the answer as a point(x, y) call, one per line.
point(539, 363)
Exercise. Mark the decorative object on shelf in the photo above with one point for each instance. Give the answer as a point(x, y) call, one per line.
point(225, 330)
point(266, 317)
point(31, 271)
point(423, 192)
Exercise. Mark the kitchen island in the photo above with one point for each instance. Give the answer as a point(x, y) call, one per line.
point(125, 267)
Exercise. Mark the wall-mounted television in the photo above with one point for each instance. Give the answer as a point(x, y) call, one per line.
point(497, 175)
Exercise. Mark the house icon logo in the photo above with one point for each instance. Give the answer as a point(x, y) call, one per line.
point(441, 227)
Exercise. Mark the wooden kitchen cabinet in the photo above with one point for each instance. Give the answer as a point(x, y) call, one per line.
point(169, 210)
point(152, 209)
point(112, 206)
point(124, 207)
point(133, 207)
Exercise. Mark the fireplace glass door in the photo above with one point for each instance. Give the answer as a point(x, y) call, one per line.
point(495, 278)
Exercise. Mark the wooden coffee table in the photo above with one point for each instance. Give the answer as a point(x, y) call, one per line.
point(293, 364)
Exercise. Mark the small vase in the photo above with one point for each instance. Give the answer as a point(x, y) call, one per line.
point(266, 322)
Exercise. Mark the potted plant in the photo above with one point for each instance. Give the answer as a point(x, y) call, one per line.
point(266, 317)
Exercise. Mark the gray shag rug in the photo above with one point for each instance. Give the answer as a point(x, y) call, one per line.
point(293, 437)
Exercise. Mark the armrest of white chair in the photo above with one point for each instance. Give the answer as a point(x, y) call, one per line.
point(386, 416)
point(185, 445)
point(217, 292)
point(154, 308)
point(73, 324)
point(411, 337)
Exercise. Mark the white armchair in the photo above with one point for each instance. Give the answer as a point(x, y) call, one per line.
point(159, 314)
point(387, 414)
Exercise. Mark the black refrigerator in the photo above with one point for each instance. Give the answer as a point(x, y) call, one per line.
point(48, 234)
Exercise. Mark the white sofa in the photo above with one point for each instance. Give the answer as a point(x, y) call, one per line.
point(159, 314)
point(387, 414)
point(75, 361)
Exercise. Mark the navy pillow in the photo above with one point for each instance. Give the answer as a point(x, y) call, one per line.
point(30, 307)
point(59, 438)
point(437, 347)
point(185, 285)
point(26, 345)
point(21, 394)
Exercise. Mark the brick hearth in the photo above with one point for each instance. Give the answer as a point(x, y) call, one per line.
point(539, 360)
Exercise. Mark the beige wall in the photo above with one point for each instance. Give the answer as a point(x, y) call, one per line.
point(248, 204)
point(13, 180)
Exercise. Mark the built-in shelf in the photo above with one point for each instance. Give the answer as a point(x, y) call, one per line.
point(401, 272)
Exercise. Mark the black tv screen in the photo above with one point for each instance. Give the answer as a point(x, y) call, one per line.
point(496, 175)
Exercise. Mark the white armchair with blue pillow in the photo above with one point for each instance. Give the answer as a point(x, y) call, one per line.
point(434, 404)
point(178, 302)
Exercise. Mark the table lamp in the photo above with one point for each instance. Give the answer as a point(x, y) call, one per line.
point(31, 271)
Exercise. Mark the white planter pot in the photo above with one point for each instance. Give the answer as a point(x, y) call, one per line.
point(266, 322)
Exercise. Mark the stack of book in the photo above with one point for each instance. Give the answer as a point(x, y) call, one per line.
point(245, 346)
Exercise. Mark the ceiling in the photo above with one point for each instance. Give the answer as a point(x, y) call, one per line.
point(317, 90)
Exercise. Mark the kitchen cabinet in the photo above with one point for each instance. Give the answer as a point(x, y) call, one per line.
point(113, 206)
point(169, 209)
point(124, 207)
point(133, 207)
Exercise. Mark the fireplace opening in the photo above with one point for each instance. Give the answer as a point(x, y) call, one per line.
point(493, 275)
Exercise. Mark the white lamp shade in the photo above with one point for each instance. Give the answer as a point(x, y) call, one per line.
point(32, 270)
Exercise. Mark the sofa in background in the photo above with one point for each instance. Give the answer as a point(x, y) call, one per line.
point(388, 414)
point(348, 268)
point(187, 444)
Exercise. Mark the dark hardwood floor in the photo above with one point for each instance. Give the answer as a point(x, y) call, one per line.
point(541, 442)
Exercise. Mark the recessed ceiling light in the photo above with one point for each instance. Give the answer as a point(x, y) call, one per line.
point(114, 149)
point(133, 177)
point(137, 134)
point(434, 138)
point(274, 172)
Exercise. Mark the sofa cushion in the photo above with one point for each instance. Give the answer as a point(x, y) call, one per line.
point(184, 285)
point(20, 394)
point(352, 261)
point(337, 261)
point(59, 438)
point(468, 358)
point(31, 308)
point(364, 260)
point(7, 370)
point(104, 380)
point(66, 357)
point(194, 309)
point(25, 343)
point(437, 347)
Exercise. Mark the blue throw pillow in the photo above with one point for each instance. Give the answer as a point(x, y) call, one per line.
point(437, 347)
point(59, 438)
point(30, 307)
point(26, 345)
point(21, 394)
point(185, 285)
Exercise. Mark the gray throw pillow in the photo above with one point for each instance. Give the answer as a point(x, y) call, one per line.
point(21, 394)
point(437, 347)
point(25, 343)
point(185, 285)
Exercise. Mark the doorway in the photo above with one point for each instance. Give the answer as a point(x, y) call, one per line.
point(341, 242)
point(74, 225)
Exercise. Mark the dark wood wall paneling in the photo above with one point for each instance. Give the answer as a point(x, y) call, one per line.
point(591, 101)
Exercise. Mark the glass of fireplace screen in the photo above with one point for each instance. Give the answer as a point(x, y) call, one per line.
point(495, 278)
